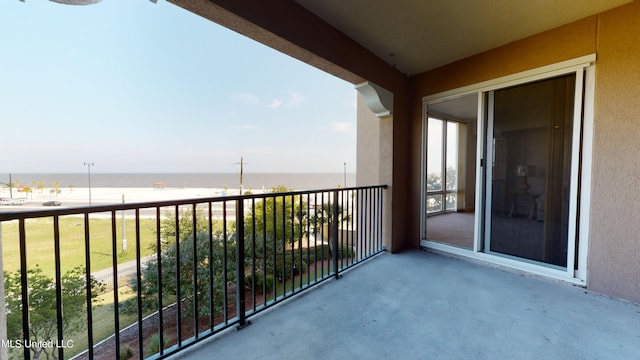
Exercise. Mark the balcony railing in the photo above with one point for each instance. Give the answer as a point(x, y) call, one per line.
point(208, 264)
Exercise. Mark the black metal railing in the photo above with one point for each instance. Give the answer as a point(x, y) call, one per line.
point(200, 266)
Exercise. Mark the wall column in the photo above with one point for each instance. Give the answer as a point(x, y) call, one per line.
point(375, 150)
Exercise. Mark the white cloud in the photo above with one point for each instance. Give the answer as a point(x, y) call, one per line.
point(245, 98)
point(275, 104)
point(342, 127)
point(294, 99)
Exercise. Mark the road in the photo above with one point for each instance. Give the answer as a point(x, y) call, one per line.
point(126, 269)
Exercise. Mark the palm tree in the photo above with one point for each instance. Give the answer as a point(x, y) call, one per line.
point(56, 188)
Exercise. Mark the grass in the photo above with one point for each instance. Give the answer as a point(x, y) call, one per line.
point(40, 250)
point(40, 243)
point(103, 315)
point(103, 323)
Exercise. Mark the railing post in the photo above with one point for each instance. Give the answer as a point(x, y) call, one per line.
point(334, 233)
point(240, 290)
point(24, 286)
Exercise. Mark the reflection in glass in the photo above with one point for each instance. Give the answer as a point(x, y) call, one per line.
point(532, 131)
point(434, 203)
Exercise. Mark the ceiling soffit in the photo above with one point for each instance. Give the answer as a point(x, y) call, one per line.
point(419, 35)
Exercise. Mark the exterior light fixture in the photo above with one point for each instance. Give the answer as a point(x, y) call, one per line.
point(82, 2)
point(76, 2)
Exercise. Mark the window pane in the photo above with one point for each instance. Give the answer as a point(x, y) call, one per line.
point(451, 201)
point(434, 155)
point(434, 203)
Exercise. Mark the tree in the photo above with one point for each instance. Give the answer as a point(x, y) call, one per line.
point(170, 274)
point(282, 217)
point(434, 183)
point(217, 261)
point(56, 188)
point(275, 223)
point(185, 225)
point(42, 306)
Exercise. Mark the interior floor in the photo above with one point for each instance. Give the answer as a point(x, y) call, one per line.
point(454, 229)
point(517, 235)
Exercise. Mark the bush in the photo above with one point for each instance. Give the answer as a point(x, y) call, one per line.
point(260, 283)
point(126, 352)
point(345, 251)
point(153, 347)
point(149, 288)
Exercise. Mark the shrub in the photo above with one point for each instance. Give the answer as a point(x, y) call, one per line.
point(260, 283)
point(126, 352)
point(345, 251)
point(153, 347)
point(149, 288)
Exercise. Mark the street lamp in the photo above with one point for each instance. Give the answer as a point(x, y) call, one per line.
point(89, 165)
point(345, 174)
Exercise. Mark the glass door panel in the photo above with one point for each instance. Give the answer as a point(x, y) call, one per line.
point(528, 196)
point(450, 176)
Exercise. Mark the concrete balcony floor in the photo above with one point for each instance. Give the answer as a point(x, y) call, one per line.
point(420, 305)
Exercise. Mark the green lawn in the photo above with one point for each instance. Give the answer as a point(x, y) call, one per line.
point(40, 244)
point(103, 323)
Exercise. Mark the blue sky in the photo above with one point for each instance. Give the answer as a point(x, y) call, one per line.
point(134, 86)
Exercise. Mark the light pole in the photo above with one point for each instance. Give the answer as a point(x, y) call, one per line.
point(345, 174)
point(89, 165)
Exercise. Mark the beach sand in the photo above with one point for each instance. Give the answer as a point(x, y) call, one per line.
point(106, 196)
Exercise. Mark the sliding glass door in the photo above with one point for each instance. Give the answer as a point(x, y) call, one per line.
point(529, 144)
point(516, 190)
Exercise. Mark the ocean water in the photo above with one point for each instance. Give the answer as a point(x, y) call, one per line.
point(297, 181)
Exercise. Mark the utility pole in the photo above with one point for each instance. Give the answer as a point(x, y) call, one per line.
point(242, 163)
point(89, 165)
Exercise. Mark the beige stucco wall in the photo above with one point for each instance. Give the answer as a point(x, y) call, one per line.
point(614, 244)
point(368, 145)
point(375, 159)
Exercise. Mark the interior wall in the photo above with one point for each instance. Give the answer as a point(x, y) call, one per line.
point(614, 244)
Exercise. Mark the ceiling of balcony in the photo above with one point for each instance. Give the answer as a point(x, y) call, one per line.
point(418, 35)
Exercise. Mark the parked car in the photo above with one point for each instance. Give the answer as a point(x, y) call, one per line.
point(7, 201)
point(51, 203)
